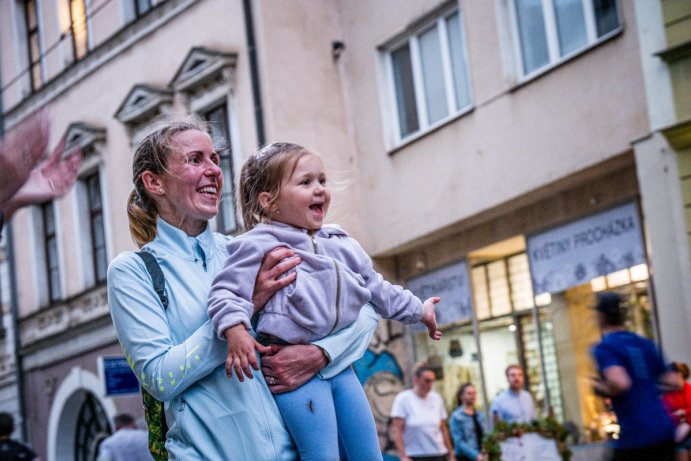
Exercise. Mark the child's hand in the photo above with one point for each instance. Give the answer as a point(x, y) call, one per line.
point(241, 352)
point(429, 319)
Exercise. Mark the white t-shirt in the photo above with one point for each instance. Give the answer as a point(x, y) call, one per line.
point(422, 433)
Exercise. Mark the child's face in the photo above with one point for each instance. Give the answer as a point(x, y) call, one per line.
point(304, 198)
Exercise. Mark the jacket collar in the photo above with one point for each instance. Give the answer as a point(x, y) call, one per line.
point(174, 240)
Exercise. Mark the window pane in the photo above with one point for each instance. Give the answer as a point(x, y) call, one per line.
point(54, 285)
point(498, 288)
point(94, 194)
point(405, 90)
point(499, 349)
point(459, 61)
point(519, 278)
point(433, 75)
point(570, 25)
point(101, 266)
point(218, 124)
point(227, 196)
point(480, 292)
point(531, 29)
point(49, 219)
point(143, 6)
point(79, 27)
point(606, 16)
point(31, 15)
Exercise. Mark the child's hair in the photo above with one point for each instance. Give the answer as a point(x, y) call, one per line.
point(264, 172)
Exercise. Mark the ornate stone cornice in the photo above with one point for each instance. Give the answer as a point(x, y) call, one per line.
point(201, 66)
point(143, 102)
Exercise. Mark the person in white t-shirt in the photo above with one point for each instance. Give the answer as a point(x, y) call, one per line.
point(418, 421)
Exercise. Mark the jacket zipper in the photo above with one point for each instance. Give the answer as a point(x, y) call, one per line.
point(338, 285)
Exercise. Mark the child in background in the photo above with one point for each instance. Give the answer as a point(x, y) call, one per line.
point(284, 201)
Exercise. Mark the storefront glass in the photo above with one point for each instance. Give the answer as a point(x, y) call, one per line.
point(557, 362)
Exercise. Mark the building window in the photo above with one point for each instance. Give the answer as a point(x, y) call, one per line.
point(79, 28)
point(429, 73)
point(134, 9)
point(226, 222)
point(96, 228)
point(549, 31)
point(50, 247)
point(33, 41)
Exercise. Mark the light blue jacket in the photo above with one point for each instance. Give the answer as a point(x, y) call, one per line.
point(334, 280)
point(462, 429)
point(179, 360)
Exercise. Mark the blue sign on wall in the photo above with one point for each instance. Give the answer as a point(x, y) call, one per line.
point(118, 376)
point(450, 283)
point(576, 253)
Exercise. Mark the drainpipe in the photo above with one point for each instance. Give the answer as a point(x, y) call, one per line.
point(254, 72)
point(14, 307)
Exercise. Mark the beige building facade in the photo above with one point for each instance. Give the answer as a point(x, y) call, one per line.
point(512, 157)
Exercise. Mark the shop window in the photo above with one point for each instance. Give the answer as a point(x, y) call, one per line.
point(429, 74)
point(501, 287)
point(549, 31)
point(457, 354)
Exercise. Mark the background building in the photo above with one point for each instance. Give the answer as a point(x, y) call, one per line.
point(512, 156)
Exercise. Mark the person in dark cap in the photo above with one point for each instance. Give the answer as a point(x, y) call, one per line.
point(633, 374)
point(12, 450)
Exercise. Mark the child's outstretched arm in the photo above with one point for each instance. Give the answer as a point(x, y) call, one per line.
point(429, 318)
point(241, 352)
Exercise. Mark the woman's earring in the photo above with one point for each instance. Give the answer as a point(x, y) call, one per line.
point(161, 191)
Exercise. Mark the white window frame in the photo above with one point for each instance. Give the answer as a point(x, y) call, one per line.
point(552, 36)
point(40, 269)
point(411, 38)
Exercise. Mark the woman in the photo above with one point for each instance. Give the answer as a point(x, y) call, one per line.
point(678, 404)
point(467, 426)
point(418, 425)
point(174, 352)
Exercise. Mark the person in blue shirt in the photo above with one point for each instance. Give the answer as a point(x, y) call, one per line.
point(633, 374)
point(174, 352)
point(467, 426)
point(515, 404)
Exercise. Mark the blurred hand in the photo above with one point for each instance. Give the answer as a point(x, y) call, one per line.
point(20, 151)
point(53, 178)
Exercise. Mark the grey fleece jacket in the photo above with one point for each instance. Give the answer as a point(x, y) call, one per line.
point(334, 280)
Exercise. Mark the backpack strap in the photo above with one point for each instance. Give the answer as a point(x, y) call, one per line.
point(156, 274)
point(154, 410)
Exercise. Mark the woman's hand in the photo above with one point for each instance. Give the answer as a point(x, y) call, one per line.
point(269, 278)
point(288, 367)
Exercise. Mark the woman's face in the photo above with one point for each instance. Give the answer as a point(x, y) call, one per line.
point(424, 382)
point(193, 183)
point(468, 396)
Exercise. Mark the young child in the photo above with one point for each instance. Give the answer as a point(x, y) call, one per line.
point(284, 201)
